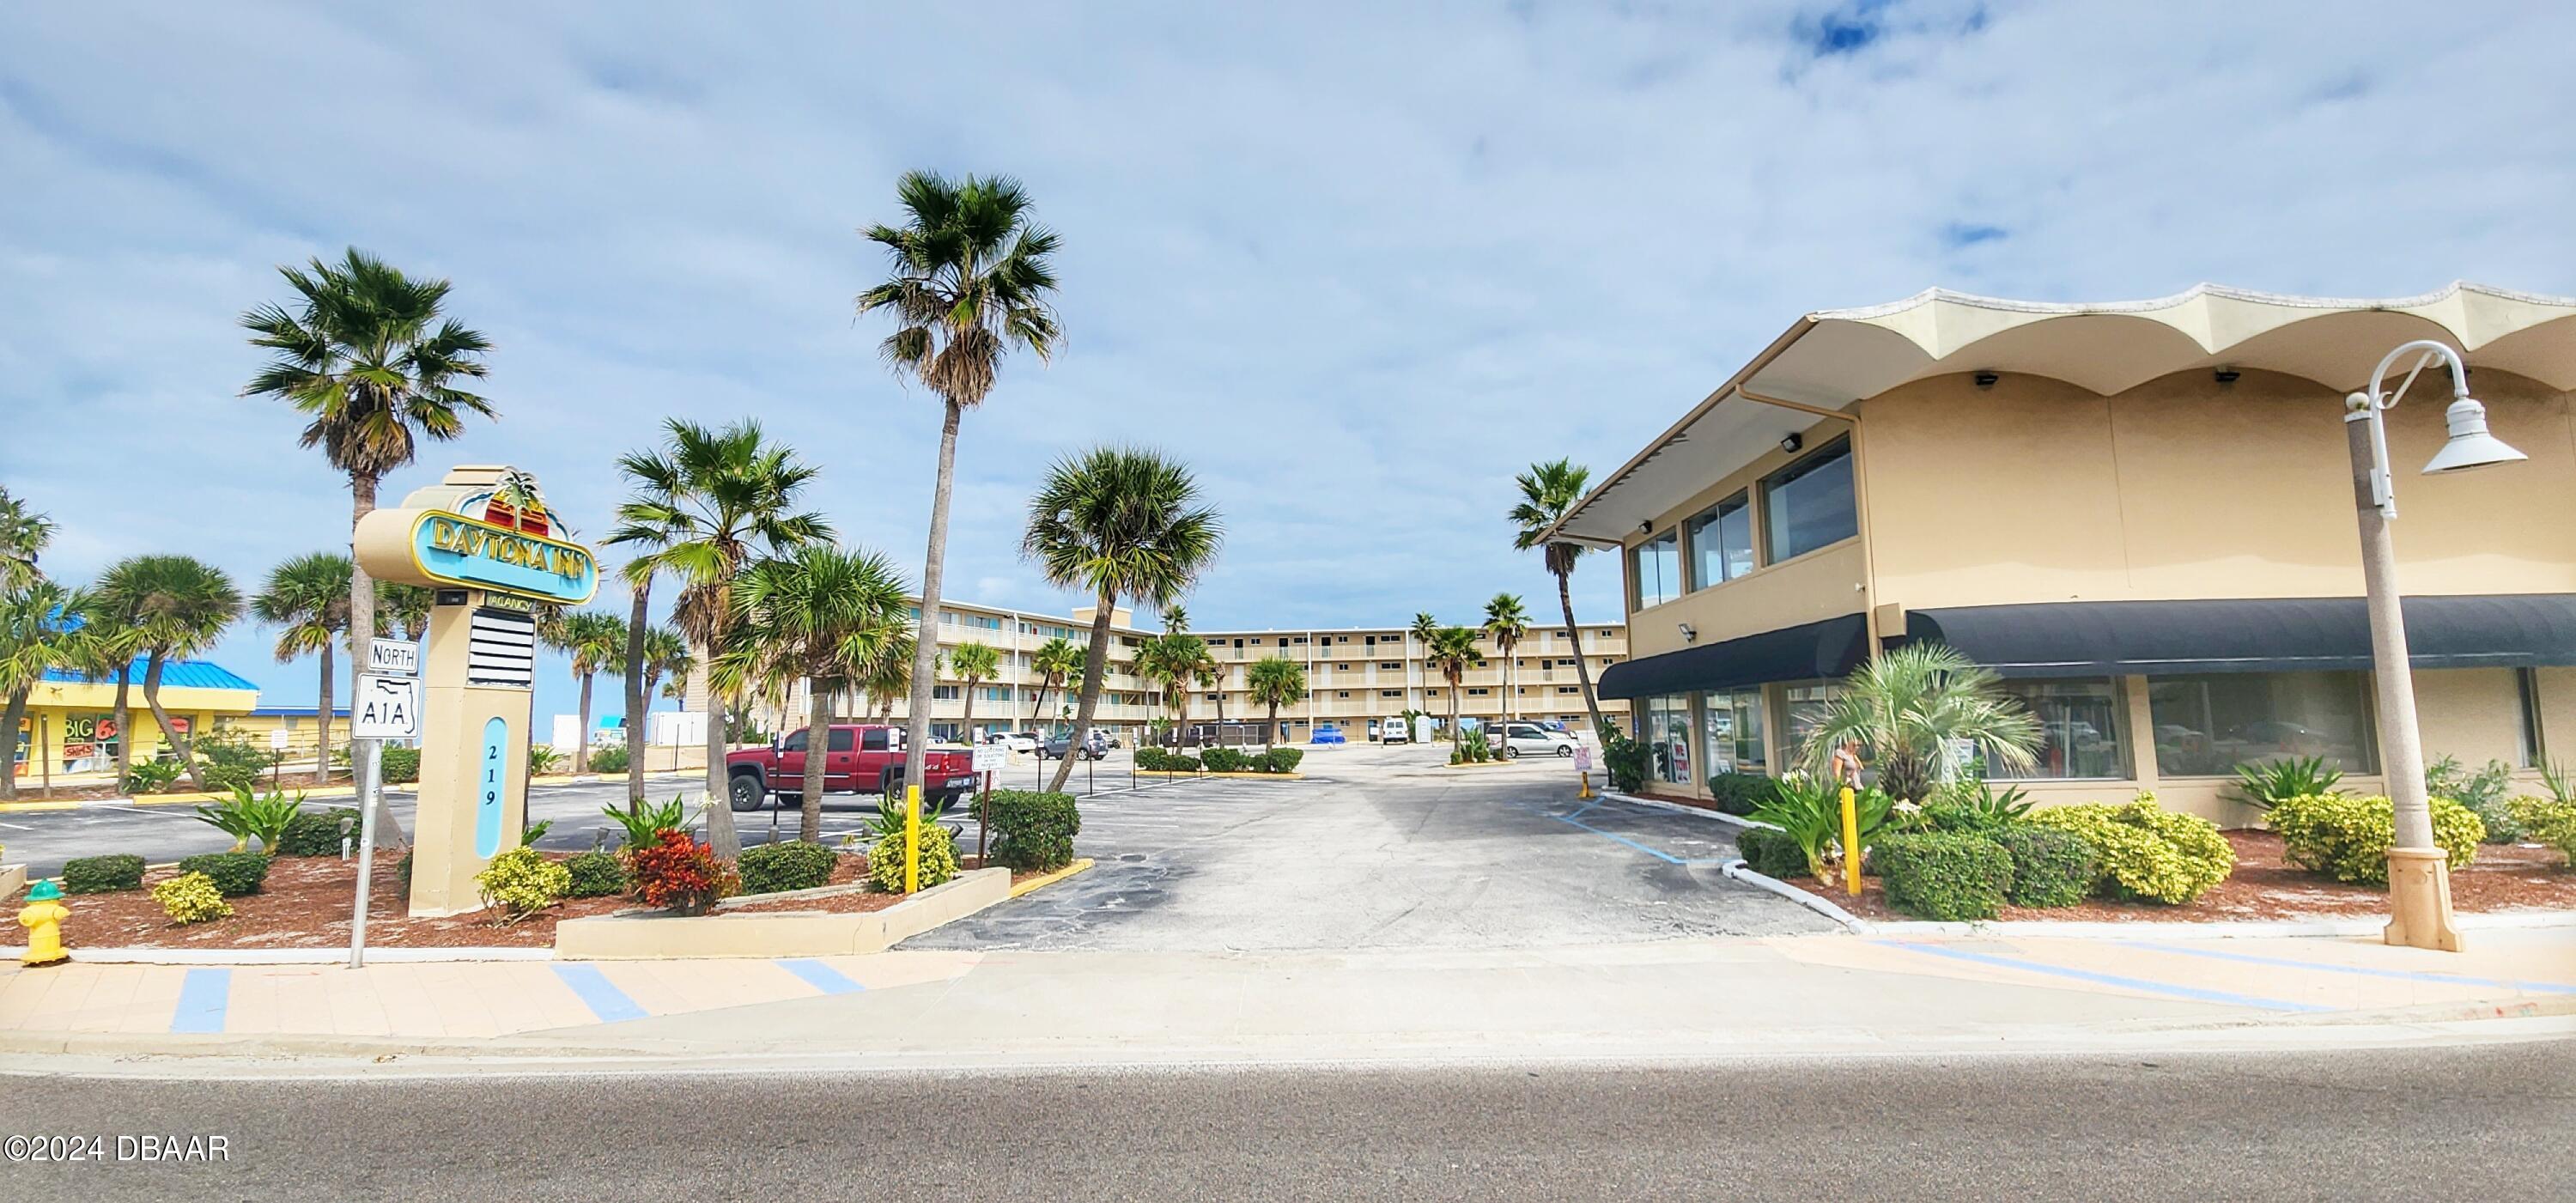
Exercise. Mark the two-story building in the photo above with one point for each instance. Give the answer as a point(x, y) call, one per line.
point(2141, 515)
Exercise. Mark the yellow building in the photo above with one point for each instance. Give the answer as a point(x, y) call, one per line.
point(70, 728)
point(2140, 514)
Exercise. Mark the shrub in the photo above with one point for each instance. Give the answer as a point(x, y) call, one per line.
point(246, 816)
point(1943, 875)
point(1810, 810)
point(795, 865)
point(151, 776)
point(610, 759)
point(2347, 837)
point(938, 858)
point(679, 873)
point(230, 761)
point(595, 875)
point(103, 874)
point(2145, 850)
point(1771, 853)
point(520, 882)
point(234, 873)
point(2268, 783)
point(2550, 821)
point(1285, 760)
point(646, 825)
point(1032, 830)
point(396, 765)
point(402, 870)
point(1477, 748)
point(2482, 792)
point(1971, 805)
point(1224, 760)
point(1155, 760)
point(2050, 868)
point(543, 759)
point(1624, 760)
point(1739, 793)
point(1183, 763)
point(191, 898)
point(317, 834)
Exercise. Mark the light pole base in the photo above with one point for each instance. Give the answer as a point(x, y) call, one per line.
point(2419, 899)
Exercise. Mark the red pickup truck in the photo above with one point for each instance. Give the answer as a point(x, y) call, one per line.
point(862, 758)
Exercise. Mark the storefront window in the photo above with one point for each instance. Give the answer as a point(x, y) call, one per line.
point(1656, 566)
point(1721, 540)
point(1805, 706)
point(2078, 722)
point(2207, 725)
point(85, 743)
point(1809, 503)
point(1733, 722)
point(1668, 737)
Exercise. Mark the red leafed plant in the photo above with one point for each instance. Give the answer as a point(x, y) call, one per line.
point(680, 873)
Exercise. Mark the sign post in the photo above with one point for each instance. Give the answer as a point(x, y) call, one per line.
point(387, 707)
point(1583, 766)
point(988, 757)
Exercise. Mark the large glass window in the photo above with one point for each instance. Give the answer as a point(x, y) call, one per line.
point(1668, 736)
point(1656, 567)
point(1805, 706)
point(1733, 722)
point(2207, 725)
point(1809, 503)
point(1721, 539)
point(2078, 727)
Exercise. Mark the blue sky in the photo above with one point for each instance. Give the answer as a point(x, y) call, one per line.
point(1357, 263)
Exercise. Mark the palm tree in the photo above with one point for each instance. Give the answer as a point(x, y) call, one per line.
point(666, 653)
point(179, 607)
point(307, 599)
point(888, 676)
point(1452, 653)
point(702, 503)
point(1118, 522)
point(1275, 681)
point(820, 614)
point(404, 608)
point(23, 536)
point(973, 663)
point(369, 358)
point(969, 279)
point(594, 640)
point(1506, 623)
point(1423, 630)
point(1056, 662)
point(40, 631)
point(1906, 707)
point(1547, 492)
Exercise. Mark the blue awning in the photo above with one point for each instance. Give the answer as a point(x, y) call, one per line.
point(2277, 634)
point(1807, 652)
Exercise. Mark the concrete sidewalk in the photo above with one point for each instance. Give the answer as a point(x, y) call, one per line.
point(1673, 999)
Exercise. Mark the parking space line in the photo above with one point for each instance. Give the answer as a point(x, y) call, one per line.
point(2193, 993)
point(204, 997)
point(821, 976)
point(2445, 979)
point(596, 992)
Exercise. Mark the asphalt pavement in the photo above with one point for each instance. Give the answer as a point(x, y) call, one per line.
point(2486, 1122)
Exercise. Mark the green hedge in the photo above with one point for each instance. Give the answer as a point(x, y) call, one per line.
point(234, 873)
point(318, 834)
point(596, 875)
point(2050, 868)
point(1946, 876)
point(1772, 853)
point(1625, 761)
point(1032, 830)
point(398, 765)
point(1739, 793)
point(794, 865)
point(2146, 852)
point(1226, 760)
point(1285, 760)
point(103, 874)
point(2347, 838)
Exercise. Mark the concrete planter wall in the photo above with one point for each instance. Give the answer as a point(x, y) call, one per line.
point(779, 933)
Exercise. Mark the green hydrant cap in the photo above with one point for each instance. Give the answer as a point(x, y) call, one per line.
point(45, 891)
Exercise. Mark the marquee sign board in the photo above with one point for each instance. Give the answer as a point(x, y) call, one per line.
point(483, 527)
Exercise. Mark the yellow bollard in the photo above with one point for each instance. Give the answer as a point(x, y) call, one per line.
point(1851, 842)
point(1587, 787)
point(43, 918)
point(911, 839)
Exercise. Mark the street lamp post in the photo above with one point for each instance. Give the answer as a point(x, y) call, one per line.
point(2419, 878)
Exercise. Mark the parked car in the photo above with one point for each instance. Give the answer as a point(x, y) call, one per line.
point(1395, 731)
point(1058, 744)
point(1517, 739)
point(1326, 733)
point(1017, 741)
point(860, 758)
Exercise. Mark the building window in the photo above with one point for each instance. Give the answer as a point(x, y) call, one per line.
point(1390, 693)
point(945, 693)
point(1477, 693)
point(1721, 540)
point(1668, 737)
point(1804, 706)
point(1343, 693)
point(1341, 668)
point(1809, 503)
point(1655, 569)
point(2079, 729)
point(2207, 725)
point(1383, 664)
point(1733, 721)
point(2526, 688)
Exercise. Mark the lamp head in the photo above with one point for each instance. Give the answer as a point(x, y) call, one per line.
point(2470, 446)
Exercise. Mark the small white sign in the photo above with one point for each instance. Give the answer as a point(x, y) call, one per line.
point(388, 708)
point(989, 758)
point(1583, 758)
point(277, 740)
point(393, 657)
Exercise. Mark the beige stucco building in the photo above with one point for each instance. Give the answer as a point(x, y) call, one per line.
point(2140, 514)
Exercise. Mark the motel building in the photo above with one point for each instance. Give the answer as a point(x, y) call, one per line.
point(70, 735)
point(2140, 514)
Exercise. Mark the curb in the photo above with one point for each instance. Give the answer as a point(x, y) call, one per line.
point(327, 791)
point(1850, 922)
point(2336, 928)
point(1737, 822)
point(1158, 773)
point(1035, 883)
point(293, 956)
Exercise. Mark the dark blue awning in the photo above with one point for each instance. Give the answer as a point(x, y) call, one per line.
point(1807, 652)
point(2097, 639)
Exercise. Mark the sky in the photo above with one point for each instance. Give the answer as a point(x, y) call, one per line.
point(1356, 264)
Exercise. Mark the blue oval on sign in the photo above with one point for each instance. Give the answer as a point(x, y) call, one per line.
point(488, 786)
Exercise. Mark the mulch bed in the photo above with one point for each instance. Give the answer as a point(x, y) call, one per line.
point(2506, 877)
point(305, 904)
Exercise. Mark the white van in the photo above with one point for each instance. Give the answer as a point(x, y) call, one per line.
point(1393, 731)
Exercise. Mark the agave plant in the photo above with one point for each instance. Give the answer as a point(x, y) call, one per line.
point(890, 816)
point(2265, 783)
point(1810, 810)
point(250, 816)
point(644, 825)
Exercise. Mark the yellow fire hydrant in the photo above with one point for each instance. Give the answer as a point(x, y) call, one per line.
point(43, 918)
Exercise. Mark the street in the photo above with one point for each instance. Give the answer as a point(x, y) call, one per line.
point(2487, 1121)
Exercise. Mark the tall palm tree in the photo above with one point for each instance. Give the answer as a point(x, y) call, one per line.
point(888, 676)
point(970, 277)
point(666, 653)
point(1548, 491)
point(703, 504)
point(973, 663)
point(1056, 662)
point(369, 358)
point(1118, 522)
point(307, 599)
point(820, 614)
point(594, 640)
point(1906, 706)
point(40, 631)
point(23, 535)
point(404, 608)
point(1506, 623)
point(1275, 681)
point(179, 607)
point(1452, 652)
